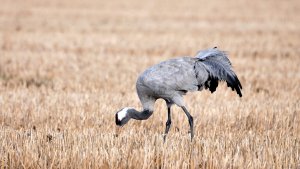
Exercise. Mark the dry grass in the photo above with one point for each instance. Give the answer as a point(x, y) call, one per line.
point(67, 66)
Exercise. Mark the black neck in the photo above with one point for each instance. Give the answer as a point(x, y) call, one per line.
point(145, 114)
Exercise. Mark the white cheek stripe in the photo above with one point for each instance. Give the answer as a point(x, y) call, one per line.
point(122, 113)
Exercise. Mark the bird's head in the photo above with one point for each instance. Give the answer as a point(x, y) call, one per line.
point(122, 116)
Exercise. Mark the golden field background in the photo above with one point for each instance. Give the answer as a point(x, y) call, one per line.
point(67, 66)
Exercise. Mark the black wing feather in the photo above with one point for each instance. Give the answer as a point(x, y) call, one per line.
point(219, 68)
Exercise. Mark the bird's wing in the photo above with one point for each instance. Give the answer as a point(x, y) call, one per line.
point(218, 67)
point(170, 76)
point(183, 76)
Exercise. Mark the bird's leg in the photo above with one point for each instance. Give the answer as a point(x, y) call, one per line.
point(191, 121)
point(168, 123)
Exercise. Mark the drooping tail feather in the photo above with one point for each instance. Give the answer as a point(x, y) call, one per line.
point(219, 68)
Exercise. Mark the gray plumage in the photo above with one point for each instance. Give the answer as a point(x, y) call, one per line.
point(172, 79)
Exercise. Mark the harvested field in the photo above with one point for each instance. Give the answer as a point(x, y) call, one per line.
point(67, 66)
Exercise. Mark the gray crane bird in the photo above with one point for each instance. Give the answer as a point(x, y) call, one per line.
point(171, 79)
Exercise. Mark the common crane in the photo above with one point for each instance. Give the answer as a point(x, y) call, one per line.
point(171, 79)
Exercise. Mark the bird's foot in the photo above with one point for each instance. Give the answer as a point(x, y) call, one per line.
point(192, 134)
point(164, 137)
